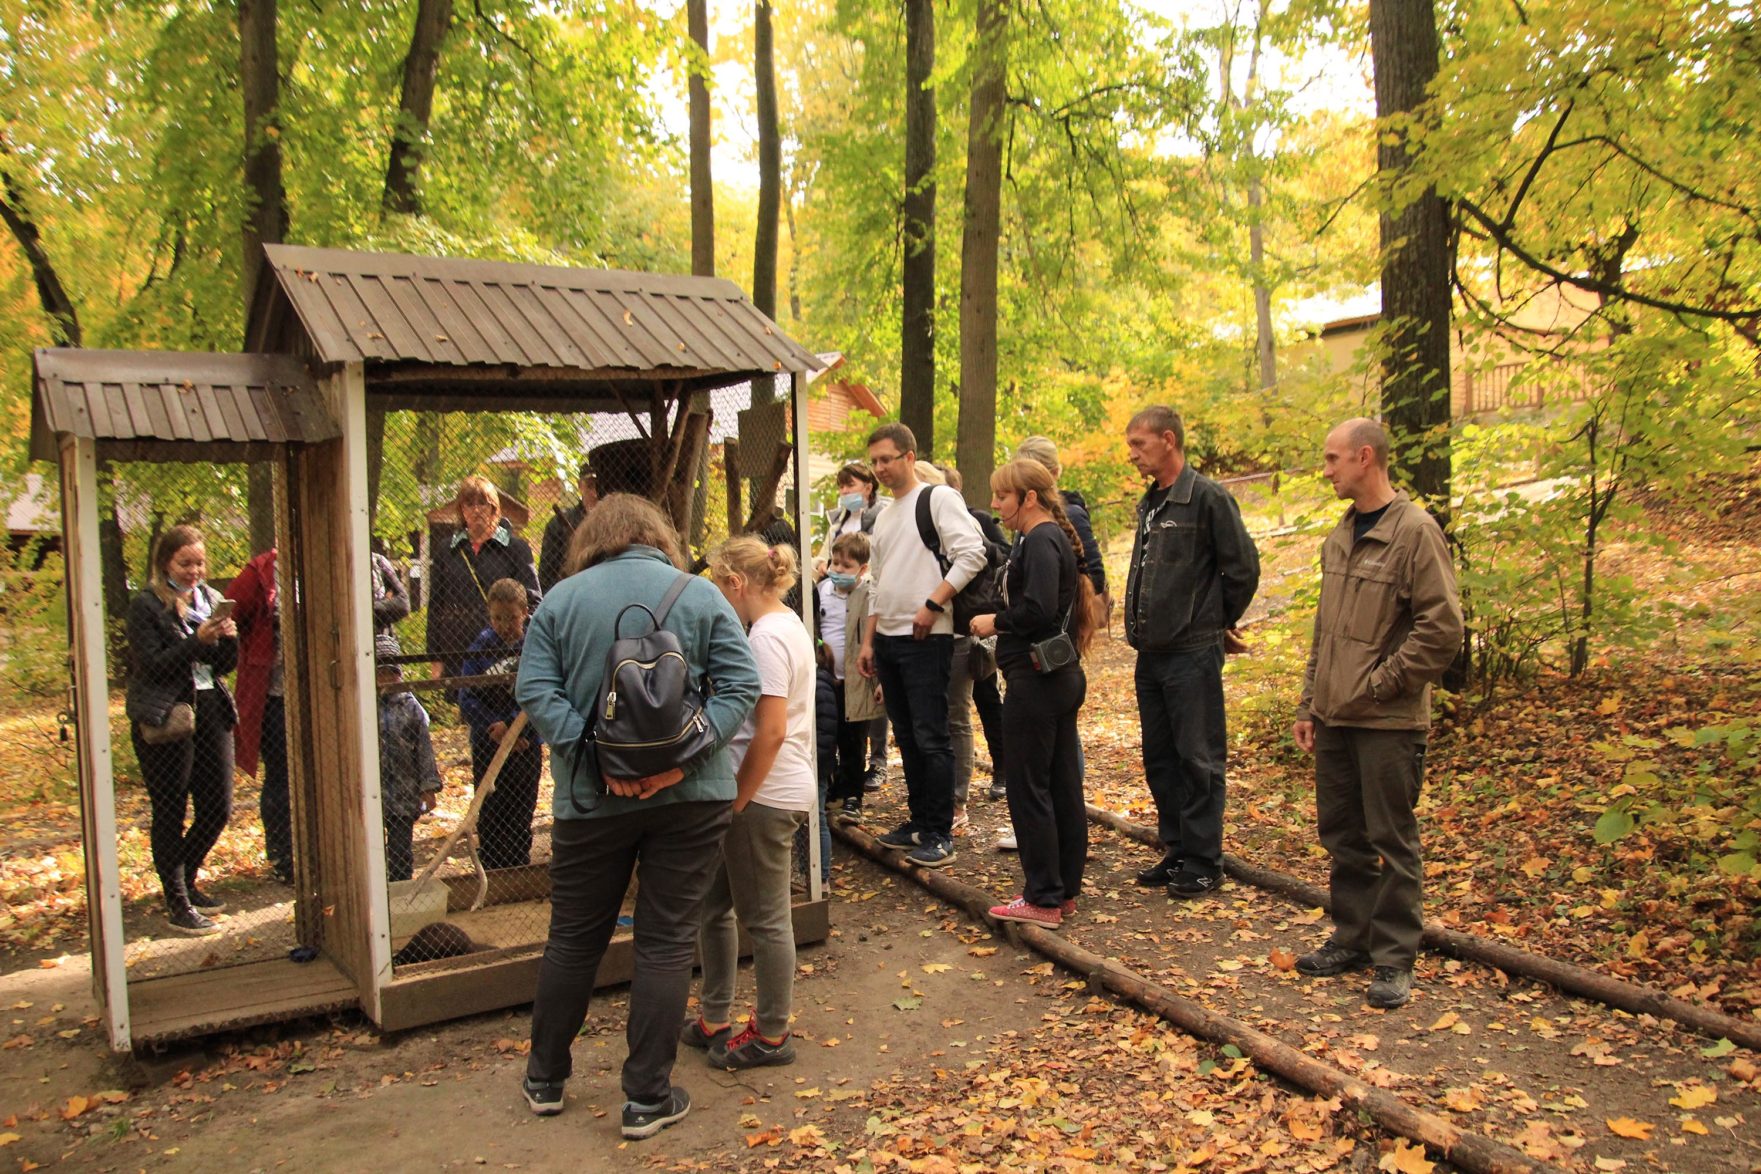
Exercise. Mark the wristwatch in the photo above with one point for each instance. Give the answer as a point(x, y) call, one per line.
point(934, 606)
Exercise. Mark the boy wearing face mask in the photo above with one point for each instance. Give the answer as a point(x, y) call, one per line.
point(848, 701)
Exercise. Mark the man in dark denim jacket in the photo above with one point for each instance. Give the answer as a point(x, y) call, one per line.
point(1193, 572)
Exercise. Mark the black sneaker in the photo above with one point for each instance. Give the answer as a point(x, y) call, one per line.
point(1158, 875)
point(751, 1050)
point(904, 836)
point(642, 1121)
point(1391, 988)
point(1188, 884)
point(545, 1100)
point(1332, 959)
point(998, 793)
point(695, 1035)
point(850, 813)
point(932, 853)
point(202, 903)
point(188, 921)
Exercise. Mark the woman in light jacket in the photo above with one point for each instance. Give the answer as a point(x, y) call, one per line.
point(178, 653)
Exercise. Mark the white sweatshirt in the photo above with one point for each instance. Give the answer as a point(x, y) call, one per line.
point(904, 570)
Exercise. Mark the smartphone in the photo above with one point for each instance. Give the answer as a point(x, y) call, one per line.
point(223, 609)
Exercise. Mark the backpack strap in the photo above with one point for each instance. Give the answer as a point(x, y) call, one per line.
point(926, 528)
point(671, 597)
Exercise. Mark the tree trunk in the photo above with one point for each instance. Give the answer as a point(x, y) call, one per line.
point(1415, 262)
point(702, 193)
point(266, 218)
point(415, 107)
point(917, 339)
point(770, 174)
point(976, 453)
point(64, 327)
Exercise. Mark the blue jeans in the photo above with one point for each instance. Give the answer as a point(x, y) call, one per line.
point(914, 683)
point(1185, 750)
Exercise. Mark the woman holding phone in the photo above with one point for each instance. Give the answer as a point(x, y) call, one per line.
point(181, 641)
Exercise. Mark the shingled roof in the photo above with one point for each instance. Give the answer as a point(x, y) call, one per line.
point(174, 406)
point(466, 324)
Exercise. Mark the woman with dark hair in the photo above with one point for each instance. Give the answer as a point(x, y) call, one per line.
point(1045, 626)
point(665, 830)
point(181, 718)
point(483, 550)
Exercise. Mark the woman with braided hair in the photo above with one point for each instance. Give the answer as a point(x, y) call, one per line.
point(1046, 624)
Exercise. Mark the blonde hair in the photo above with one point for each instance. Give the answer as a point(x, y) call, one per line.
point(929, 474)
point(772, 569)
point(618, 522)
point(1043, 450)
point(1026, 475)
point(510, 591)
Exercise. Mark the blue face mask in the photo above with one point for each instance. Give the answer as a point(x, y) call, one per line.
point(841, 581)
point(852, 503)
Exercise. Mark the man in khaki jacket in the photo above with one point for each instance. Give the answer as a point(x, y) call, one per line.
point(1388, 625)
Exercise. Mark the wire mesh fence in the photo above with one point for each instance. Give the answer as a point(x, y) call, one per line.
point(205, 861)
point(477, 511)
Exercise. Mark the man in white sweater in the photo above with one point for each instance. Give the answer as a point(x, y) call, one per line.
point(908, 640)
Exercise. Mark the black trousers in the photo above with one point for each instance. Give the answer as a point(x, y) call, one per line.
point(504, 826)
point(1045, 781)
point(400, 845)
point(1186, 750)
point(914, 683)
point(275, 806)
point(196, 772)
point(988, 700)
point(673, 850)
point(845, 774)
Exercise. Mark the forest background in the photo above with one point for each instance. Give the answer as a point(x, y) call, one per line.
point(1015, 217)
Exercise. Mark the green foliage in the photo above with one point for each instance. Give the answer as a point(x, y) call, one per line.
point(33, 625)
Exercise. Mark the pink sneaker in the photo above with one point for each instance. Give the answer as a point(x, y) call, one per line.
point(1020, 910)
point(1068, 908)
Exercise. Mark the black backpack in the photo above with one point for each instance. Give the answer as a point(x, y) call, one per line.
point(982, 596)
point(648, 717)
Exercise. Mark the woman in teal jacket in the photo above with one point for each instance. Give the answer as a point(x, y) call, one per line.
point(665, 830)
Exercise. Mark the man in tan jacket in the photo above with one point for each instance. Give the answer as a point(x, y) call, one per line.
point(1388, 625)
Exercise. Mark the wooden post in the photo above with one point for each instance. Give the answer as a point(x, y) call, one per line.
point(731, 467)
point(91, 711)
point(798, 403)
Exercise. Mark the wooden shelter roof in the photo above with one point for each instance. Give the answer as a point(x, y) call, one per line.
point(501, 331)
point(172, 406)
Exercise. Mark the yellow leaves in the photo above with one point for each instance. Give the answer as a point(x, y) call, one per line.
point(1638, 946)
point(830, 1041)
point(807, 1094)
point(1694, 1096)
point(771, 1136)
point(1582, 875)
point(1406, 1158)
point(7, 1139)
point(1462, 1100)
point(936, 968)
point(1610, 705)
point(1627, 1127)
point(1282, 959)
point(982, 951)
point(1310, 916)
point(74, 1106)
point(807, 1135)
point(1690, 1125)
point(1534, 867)
point(1304, 1128)
point(1450, 1021)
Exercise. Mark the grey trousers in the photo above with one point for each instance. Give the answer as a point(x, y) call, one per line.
point(750, 891)
point(960, 718)
point(1366, 785)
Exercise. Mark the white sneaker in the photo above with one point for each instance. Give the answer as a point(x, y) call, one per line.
point(1006, 842)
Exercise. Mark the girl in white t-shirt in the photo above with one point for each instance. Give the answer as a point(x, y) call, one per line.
point(773, 753)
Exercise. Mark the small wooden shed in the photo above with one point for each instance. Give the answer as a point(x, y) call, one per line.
point(343, 338)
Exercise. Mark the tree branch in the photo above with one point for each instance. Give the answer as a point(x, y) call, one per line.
point(64, 324)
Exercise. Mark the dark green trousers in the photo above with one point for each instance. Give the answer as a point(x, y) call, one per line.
point(1366, 786)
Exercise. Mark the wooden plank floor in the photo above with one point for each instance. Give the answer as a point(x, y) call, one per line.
point(226, 998)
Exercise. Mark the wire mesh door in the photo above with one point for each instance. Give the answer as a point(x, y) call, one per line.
point(205, 851)
point(476, 510)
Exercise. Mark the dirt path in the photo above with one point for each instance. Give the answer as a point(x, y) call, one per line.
point(921, 1037)
point(1569, 1081)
